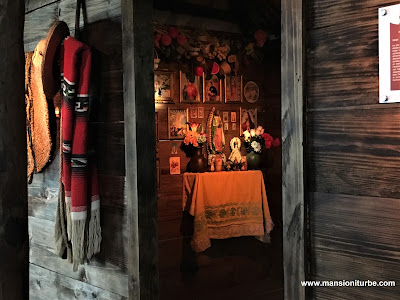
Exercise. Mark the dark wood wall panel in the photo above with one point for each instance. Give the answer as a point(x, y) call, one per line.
point(322, 13)
point(352, 151)
point(333, 225)
point(355, 151)
point(334, 68)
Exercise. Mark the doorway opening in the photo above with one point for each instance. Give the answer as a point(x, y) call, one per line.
point(197, 38)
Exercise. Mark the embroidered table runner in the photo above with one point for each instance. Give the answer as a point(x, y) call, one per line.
point(225, 205)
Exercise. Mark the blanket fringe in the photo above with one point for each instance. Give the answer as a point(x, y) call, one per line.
point(94, 234)
point(69, 221)
point(77, 241)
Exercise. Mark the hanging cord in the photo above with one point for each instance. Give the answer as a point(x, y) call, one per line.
point(80, 4)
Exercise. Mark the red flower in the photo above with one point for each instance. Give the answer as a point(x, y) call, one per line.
point(268, 139)
point(173, 32)
point(166, 39)
point(260, 37)
point(191, 91)
point(157, 39)
point(276, 143)
point(181, 39)
point(199, 71)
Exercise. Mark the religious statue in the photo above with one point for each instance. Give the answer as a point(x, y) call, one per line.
point(215, 136)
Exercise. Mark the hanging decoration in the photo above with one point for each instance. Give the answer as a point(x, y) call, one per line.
point(213, 53)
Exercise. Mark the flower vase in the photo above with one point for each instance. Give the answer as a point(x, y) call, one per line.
point(253, 161)
point(198, 163)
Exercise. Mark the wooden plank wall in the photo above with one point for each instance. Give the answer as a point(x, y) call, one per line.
point(233, 268)
point(353, 152)
point(106, 276)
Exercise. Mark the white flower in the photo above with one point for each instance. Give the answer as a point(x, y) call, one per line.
point(256, 146)
point(246, 136)
point(201, 139)
point(252, 132)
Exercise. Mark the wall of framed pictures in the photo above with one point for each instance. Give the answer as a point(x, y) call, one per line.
point(248, 99)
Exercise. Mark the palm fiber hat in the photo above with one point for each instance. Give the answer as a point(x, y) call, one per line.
point(43, 74)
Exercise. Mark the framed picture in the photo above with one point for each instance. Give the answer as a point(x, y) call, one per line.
point(175, 165)
point(193, 112)
point(226, 126)
point(233, 126)
point(225, 116)
point(251, 92)
point(177, 123)
point(248, 119)
point(189, 92)
point(212, 89)
point(233, 117)
point(233, 89)
point(200, 112)
point(163, 87)
point(174, 148)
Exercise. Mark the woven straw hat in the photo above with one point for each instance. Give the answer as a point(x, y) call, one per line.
point(42, 84)
point(39, 125)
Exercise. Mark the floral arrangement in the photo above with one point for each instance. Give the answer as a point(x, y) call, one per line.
point(194, 137)
point(256, 140)
point(205, 52)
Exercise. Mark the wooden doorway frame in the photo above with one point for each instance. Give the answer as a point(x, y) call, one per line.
point(141, 192)
point(292, 89)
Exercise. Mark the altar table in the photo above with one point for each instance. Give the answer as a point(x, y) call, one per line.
point(225, 205)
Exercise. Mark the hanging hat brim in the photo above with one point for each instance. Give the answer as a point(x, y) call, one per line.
point(50, 68)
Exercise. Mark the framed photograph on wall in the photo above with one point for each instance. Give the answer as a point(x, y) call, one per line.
point(200, 112)
point(225, 116)
point(212, 90)
point(233, 117)
point(190, 92)
point(177, 123)
point(251, 92)
point(233, 89)
point(248, 119)
point(193, 112)
point(163, 87)
point(175, 165)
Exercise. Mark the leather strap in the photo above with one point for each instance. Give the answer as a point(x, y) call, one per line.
point(80, 4)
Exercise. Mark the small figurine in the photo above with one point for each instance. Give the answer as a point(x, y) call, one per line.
point(236, 156)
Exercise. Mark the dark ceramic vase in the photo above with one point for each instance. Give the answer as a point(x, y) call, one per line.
point(198, 163)
point(253, 161)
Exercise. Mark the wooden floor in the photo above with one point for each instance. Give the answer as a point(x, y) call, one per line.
point(237, 268)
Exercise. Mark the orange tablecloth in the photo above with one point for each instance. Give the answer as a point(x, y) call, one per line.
point(226, 204)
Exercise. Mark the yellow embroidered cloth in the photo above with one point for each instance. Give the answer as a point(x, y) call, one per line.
point(226, 204)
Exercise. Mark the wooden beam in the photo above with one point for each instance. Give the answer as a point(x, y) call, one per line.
point(13, 178)
point(140, 155)
point(292, 149)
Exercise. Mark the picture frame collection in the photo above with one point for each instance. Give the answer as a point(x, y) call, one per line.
point(199, 91)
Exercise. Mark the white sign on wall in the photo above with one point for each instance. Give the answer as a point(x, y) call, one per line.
point(389, 54)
